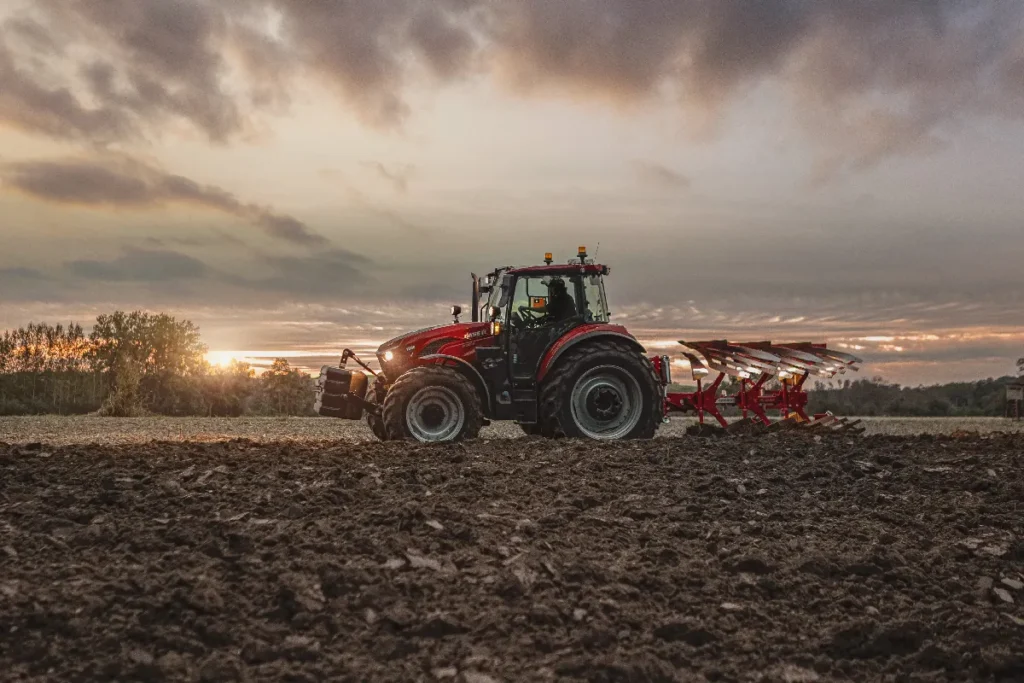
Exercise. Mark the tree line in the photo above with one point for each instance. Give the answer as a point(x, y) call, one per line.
point(141, 363)
point(876, 397)
point(137, 363)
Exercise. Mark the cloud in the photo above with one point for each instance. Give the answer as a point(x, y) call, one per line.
point(141, 265)
point(661, 176)
point(398, 177)
point(53, 111)
point(152, 63)
point(119, 181)
point(20, 273)
point(141, 63)
point(370, 52)
point(159, 275)
point(867, 80)
point(360, 199)
point(322, 275)
point(212, 237)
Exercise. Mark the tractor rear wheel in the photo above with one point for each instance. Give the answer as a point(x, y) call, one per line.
point(603, 390)
point(431, 404)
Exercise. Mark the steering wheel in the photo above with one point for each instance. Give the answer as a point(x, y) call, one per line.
point(530, 316)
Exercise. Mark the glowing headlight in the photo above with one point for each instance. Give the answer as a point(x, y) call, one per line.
point(388, 356)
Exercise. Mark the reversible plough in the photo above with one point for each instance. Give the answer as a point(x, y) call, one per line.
point(771, 380)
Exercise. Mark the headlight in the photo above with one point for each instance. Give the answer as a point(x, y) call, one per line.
point(388, 356)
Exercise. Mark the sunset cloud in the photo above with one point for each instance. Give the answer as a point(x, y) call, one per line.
point(867, 79)
point(118, 181)
point(141, 265)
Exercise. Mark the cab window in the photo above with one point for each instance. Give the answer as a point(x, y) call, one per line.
point(532, 303)
point(594, 303)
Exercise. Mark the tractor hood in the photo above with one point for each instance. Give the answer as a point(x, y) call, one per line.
point(430, 339)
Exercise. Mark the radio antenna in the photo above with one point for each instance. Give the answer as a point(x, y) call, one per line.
point(597, 250)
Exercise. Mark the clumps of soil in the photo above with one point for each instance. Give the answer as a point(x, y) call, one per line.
point(780, 558)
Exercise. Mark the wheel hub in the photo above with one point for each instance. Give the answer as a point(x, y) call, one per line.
point(432, 415)
point(606, 402)
point(435, 414)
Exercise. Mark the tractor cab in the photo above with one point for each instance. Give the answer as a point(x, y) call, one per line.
point(541, 296)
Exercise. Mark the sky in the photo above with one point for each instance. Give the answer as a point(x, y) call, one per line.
point(301, 177)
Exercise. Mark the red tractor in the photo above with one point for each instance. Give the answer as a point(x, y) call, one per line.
point(541, 350)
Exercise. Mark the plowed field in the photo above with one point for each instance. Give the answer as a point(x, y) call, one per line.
point(780, 558)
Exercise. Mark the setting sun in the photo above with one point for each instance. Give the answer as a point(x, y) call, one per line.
point(221, 359)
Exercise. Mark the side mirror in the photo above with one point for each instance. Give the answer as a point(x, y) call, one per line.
point(456, 312)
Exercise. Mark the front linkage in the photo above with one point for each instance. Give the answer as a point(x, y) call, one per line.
point(342, 393)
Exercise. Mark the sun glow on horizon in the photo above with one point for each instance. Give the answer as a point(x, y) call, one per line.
point(222, 359)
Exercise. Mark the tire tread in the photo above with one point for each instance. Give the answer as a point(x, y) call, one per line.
point(556, 388)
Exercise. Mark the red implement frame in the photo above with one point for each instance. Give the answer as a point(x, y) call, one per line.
point(755, 364)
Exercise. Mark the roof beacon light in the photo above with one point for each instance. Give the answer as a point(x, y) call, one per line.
point(582, 253)
point(547, 258)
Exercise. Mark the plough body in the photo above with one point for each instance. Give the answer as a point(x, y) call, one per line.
point(756, 365)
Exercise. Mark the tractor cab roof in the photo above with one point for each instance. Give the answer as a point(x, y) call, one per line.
point(580, 264)
point(560, 269)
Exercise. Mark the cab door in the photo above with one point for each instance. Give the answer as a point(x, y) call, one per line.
point(530, 334)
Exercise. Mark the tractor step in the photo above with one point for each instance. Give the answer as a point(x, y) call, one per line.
point(524, 405)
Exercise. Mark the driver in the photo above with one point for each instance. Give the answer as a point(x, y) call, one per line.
point(560, 305)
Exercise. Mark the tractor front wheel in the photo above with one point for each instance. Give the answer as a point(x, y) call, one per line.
point(430, 404)
point(605, 391)
point(375, 420)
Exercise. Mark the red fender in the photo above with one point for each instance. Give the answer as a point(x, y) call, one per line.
point(581, 334)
